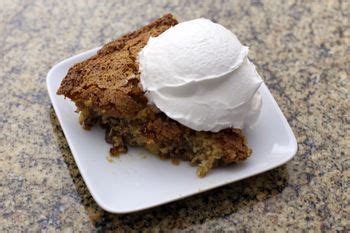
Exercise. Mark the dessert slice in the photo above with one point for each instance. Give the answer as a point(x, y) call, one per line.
point(106, 89)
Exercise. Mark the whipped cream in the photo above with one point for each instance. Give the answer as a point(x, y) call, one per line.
point(198, 74)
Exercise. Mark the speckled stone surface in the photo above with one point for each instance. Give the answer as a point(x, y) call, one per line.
point(301, 48)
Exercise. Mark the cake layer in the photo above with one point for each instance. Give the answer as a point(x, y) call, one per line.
point(168, 139)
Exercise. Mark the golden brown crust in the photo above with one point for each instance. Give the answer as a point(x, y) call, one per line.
point(109, 80)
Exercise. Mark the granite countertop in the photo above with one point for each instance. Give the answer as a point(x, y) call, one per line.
point(300, 49)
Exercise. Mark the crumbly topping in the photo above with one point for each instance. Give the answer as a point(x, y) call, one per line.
point(109, 80)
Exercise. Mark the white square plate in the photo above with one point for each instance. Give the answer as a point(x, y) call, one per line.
point(138, 180)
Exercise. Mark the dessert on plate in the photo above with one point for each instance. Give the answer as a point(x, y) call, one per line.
point(183, 91)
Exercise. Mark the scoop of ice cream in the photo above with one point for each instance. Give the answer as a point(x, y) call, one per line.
point(198, 74)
